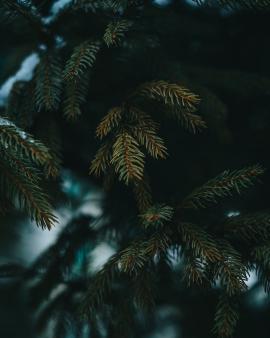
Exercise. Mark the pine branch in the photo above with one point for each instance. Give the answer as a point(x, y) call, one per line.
point(24, 166)
point(169, 93)
point(181, 101)
point(143, 194)
point(100, 287)
point(86, 5)
point(133, 258)
point(199, 242)
point(253, 227)
point(16, 6)
point(127, 158)
point(158, 243)
point(222, 186)
point(231, 271)
point(144, 129)
point(19, 177)
point(82, 58)
point(115, 32)
point(12, 137)
point(75, 96)
point(109, 122)
point(236, 4)
point(119, 5)
point(151, 141)
point(157, 215)
point(194, 270)
point(20, 184)
point(190, 121)
point(11, 9)
point(139, 129)
point(48, 82)
point(108, 6)
point(226, 317)
point(102, 160)
point(261, 256)
point(52, 138)
point(140, 118)
point(132, 261)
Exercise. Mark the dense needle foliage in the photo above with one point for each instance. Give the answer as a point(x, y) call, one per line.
point(142, 99)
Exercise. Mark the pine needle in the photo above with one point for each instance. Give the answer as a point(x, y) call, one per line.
point(48, 82)
point(170, 93)
point(116, 31)
point(82, 58)
point(226, 316)
point(109, 122)
point(127, 158)
point(222, 186)
point(101, 161)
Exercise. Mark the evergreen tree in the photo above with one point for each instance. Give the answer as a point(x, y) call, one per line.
point(165, 109)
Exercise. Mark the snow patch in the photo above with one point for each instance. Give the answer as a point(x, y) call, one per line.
point(25, 73)
point(56, 8)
